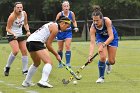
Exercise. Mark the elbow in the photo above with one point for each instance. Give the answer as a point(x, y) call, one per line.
point(7, 29)
point(25, 25)
point(112, 37)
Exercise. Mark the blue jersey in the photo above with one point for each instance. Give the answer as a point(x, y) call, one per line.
point(68, 32)
point(70, 17)
point(102, 35)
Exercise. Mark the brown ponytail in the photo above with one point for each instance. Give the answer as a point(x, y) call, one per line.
point(97, 11)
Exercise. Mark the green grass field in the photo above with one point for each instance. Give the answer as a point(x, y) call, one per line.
point(125, 76)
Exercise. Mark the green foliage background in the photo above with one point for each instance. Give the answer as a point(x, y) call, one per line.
point(47, 9)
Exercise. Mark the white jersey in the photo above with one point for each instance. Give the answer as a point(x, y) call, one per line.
point(17, 25)
point(41, 34)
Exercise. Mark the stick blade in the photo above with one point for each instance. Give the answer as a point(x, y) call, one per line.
point(65, 81)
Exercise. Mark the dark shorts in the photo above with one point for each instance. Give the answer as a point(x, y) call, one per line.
point(11, 37)
point(35, 46)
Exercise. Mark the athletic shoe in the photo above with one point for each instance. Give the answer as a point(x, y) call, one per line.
point(68, 64)
point(100, 80)
point(6, 71)
point(25, 72)
point(27, 84)
point(60, 65)
point(108, 69)
point(48, 80)
point(44, 84)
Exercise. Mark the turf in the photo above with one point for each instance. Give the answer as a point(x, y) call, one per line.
point(124, 78)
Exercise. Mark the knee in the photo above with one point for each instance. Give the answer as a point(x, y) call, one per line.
point(102, 59)
point(112, 62)
point(60, 50)
point(67, 48)
point(36, 64)
point(50, 62)
point(15, 52)
point(24, 52)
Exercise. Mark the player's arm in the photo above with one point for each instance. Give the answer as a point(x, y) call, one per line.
point(74, 22)
point(108, 23)
point(58, 16)
point(9, 24)
point(53, 31)
point(92, 40)
point(26, 26)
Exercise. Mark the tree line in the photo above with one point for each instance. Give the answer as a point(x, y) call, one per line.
point(46, 10)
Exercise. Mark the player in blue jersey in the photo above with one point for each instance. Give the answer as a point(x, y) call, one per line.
point(66, 37)
point(104, 33)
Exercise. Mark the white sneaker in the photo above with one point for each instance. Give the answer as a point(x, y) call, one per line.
point(108, 69)
point(44, 84)
point(27, 84)
point(100, 80)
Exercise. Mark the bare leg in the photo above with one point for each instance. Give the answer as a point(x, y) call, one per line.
point(23, 49)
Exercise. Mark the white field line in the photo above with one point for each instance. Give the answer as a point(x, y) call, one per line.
point(15, 87)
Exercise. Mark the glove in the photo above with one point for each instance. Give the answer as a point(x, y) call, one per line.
point(76, 29)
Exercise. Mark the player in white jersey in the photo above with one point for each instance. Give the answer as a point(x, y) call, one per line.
point(16, 20)
point(35, 45)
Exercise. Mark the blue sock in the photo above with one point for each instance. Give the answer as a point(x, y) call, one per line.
point(61, 54)
point(101, 67)
point(107, 63)
point(68, 56)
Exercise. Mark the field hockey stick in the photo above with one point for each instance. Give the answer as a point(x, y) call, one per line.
point(22, 37)
point(70, 70)
point(79, 70)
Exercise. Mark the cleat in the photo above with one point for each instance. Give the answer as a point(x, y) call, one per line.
point(48, 81)
point(108, 69)
point(44, 84)
point(60, 65)
point(27, 84)
point(68, 65)
point(100, 80)
point(25, 72)
point(6, 71)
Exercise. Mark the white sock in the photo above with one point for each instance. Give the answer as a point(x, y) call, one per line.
point(31, 71)
point(46, 71)
point(24, 63)
point(10, 59)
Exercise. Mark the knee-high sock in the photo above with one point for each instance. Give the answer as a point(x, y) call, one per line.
point(61, 54)
point(24, 63)
point(10, 59)
point(46, 71)
point(31, 71)
point(68, 56)
point(101, 67)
